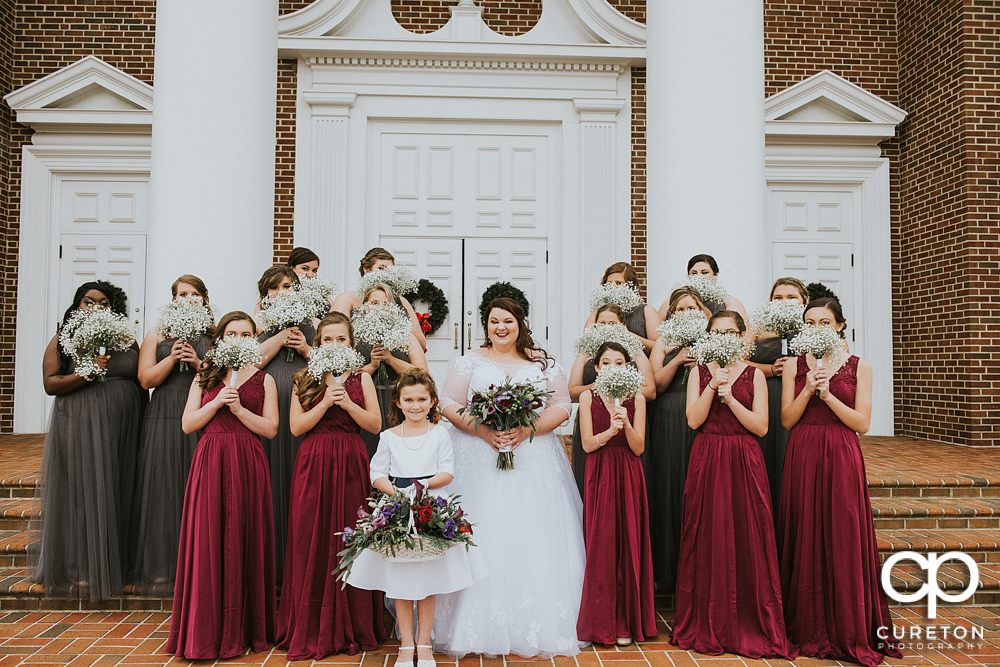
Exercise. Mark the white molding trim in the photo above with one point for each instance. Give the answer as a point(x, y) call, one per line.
point(872, 248)
point(37, 279)
point(463, 64)
point(607, 22)
point(319, 18)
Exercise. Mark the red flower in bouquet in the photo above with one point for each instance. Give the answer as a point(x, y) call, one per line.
point(465, 527)
point(425, 514)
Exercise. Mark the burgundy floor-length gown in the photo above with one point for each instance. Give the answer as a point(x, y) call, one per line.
point(834, 602)
point(618, 581)
point(329, 483)
point(224, 599)
point(728, 589)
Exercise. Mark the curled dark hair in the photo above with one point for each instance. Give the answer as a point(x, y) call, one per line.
point(211, 375)
point(412, 377)
point(525, 343)
point(271, 279)
point(117, 299)
point(833, 305)
point(708, 259)
point(306, 386)
point(301, 256)
point(731, 314)
point(611, 345)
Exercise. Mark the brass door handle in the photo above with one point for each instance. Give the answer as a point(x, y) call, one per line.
point(456, 335)
point(470, 337)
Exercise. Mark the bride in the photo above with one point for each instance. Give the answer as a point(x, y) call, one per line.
point(528, 521)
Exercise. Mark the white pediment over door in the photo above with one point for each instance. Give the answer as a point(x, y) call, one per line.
point(563, 22)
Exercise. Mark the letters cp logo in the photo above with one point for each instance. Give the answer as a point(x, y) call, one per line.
point(930, 589)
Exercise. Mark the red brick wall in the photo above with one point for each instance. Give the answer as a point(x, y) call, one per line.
point(639, 174)
point(634, 9)
point(8, 293)
point(507, 17)
point(284, 161)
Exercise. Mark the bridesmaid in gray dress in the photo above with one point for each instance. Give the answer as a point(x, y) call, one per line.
point(281, 449)
point(768, 357)
point(707, 267)
point(87, 477)
point(166, 451)
point(395, 363)
point(671, 439)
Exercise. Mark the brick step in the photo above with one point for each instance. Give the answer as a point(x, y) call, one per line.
point(14, 547)
point(935, 513)
point(15, 513)
point(952, 577)
point(18, 487)
point(954, 486)
point(982, 544)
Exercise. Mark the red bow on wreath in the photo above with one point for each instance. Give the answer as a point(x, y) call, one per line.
point(424, 319)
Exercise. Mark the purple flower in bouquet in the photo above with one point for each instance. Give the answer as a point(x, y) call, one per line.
point(348, 533)
point(441, 502)
point(379, 522)
point(449, 529)
point(363, 513)
point(420, 490)
point(459, 513)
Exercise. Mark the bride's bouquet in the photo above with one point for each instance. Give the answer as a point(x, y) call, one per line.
point(782, 317)
point(405, 527)
point(235, 353)
point(292, 308)
point(399, 279)
point(624, 296)
point(618, 382)
point(384, 324)
point(683, 329)
point(819, 342)
point(335, 359)
point(505, 407)
point(186, 319)
point(709, 289)
point(596, 335)
point(90, 333)
point(319, 291)
point(722, 348)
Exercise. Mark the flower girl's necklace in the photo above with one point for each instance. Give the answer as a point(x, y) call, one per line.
point(423, 438)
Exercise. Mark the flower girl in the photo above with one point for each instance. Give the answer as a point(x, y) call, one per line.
point(417, 448)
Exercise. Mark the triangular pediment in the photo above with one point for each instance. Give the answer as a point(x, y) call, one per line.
point(829, 98)
point(90, 84)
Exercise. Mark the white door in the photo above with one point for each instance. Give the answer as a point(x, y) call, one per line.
point(118, 258)
point(828, 263)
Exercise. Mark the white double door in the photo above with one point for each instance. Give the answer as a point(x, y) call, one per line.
point(463, 269)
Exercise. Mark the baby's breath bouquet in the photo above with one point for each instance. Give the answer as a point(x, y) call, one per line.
point(618, 382)
point(293, 308)
point(783, 317)
point(624, 296)
point(596, 335)
point(722, 348)
point(384, 324)
point(335, 359)
point(235, 353)
point(819, 342)
point(399, 279)
point(683, 329)
point(91, 333)
point(710, 289)
point(319, 291)
point(185, 319)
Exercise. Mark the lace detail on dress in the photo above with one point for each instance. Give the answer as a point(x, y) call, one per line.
point(473, 372)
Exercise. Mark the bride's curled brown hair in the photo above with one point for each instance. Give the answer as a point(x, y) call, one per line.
point(410, 378)
point(525, 343)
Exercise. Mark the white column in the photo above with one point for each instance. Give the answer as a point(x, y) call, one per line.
point(212, 180)
point(705, 144)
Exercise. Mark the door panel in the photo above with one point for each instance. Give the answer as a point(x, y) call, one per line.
point(118, 258)
point(826, 263)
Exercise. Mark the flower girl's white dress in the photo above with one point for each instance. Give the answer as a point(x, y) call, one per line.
point(528, 526)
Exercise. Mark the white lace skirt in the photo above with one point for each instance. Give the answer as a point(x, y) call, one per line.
point(528, 524)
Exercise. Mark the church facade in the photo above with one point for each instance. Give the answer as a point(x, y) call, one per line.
point(538, 141)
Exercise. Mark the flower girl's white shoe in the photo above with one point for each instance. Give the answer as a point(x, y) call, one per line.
point(426, 663)
point(405, 662)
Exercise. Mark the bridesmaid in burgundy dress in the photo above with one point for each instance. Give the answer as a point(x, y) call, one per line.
point(618, 582)
point(329, 483)
point(728, 590)
point(224, 593)
point(834, 604)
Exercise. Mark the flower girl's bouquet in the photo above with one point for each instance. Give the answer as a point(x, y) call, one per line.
point(709, 289)
point(236, 353)
point(722, 348)
point(783, 317)
point(335, 359)
point(399, 279)
point(596, 335)
point(618, 382)
point(384, 324)
point(292, 308)
point(624, 296)
point(91, 333)
point(506, 407)
point(319, 292)
point(186, 319)
point(406, 527)
point(683, 329)
point(819, 342)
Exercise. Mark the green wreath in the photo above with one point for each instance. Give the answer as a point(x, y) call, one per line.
point(501, 290)
point(437, 305)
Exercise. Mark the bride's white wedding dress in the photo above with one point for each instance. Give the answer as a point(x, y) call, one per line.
point(528, 525)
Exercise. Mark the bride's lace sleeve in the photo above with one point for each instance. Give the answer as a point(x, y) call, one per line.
point(456, 383)
point(557, 386)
